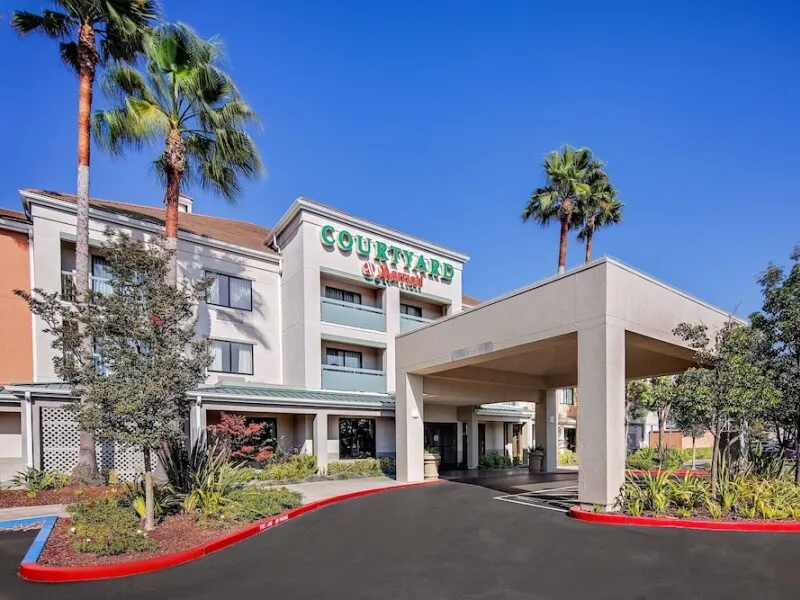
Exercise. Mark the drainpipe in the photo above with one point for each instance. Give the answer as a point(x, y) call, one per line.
point(29, 429)
point(280, 306)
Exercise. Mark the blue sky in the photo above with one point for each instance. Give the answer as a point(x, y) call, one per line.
point(433, 118)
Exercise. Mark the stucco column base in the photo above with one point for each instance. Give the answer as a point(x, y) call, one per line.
point(547, 428)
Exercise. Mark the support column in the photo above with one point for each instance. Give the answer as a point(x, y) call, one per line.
point(409, 427)
point(320, 442)
point(197, 421)
point(601, 418)
point(547, 428)
point(473, 443)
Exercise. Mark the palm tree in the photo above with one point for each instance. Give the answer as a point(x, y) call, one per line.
point(566, 171)
point(599, 209)
point(184, 98)
point(90, 34)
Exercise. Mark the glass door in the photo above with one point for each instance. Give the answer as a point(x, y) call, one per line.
point(441, 437)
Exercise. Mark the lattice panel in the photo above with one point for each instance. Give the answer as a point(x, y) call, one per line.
point(60, 441)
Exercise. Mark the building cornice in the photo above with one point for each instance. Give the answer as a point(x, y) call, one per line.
point(13, 225)
point(309, 206)
point(102, 215)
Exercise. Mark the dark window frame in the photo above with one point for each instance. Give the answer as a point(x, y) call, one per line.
point(349, 449)
point(230, 356)
point(215, 274)
point(344, 293)
point(404, 310)
point(343, 353)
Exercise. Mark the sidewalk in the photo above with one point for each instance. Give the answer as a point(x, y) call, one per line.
point(27, 512)
point(319, 490)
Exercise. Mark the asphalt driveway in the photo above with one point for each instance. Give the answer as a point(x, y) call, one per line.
point(456, 541)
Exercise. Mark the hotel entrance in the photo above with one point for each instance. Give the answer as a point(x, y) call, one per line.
point(441, 438)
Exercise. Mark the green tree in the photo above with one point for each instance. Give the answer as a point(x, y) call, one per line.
point(146, 353)
point(598, 209)
point(688, 414)
point(779, 321)
point(183, 100)
point(90, 33)
point(566, 172)
point(658, 396)
point(634, 390)
point(730, 387)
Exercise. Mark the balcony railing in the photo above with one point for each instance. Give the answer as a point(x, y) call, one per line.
point(354, 315)
point(408, 322)
point(100, 285)
point(353, 379)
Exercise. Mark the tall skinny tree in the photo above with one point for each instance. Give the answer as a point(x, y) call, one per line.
point(599, 209)
point(90, 34)
point(658, 397)
point(184, 100)
point(566, 173)
point(779, 321)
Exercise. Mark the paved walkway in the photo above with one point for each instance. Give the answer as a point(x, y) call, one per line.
point(27, 512)
point(319, 490)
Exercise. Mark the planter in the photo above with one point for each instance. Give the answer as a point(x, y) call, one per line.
point(535, 462)
point(431, 466)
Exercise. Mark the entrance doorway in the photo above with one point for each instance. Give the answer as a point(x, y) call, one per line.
point(442, 438)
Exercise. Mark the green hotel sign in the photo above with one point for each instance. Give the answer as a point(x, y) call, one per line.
point(415, 267)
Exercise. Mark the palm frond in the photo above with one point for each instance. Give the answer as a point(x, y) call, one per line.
point(69, 54)
point(51, 24)
point(121, 81)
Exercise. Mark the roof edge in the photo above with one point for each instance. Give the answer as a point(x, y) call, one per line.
point(304, 204)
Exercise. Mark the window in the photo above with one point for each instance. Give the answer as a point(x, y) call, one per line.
point(413, 311)
point(569, 397)
point(356, 438)
point(230, 291)
point(342, 295)
point(343, 358)
point(231, 357)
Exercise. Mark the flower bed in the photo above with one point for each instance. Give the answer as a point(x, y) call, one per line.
point(173, 534)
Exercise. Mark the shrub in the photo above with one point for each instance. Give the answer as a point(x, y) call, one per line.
point(643, 459)
point(495, 460)
point(36, 480)
point(672, 460)
point(567, 457)
point(212, 486)
point(297, 466)
point(181, 466)
point(388, 465)
point(361, 466)
point(165, 500)
point(689, 492)
point(103, 527)
point(242, 441)
point(251, 504)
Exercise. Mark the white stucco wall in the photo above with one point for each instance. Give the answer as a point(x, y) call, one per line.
point(260, 327)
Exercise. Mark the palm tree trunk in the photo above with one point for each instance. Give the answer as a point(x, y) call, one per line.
point(589, 235)
point(562, 248)
point(175, 151)
point(85, 471)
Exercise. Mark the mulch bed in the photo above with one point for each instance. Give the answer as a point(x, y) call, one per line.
point(173, 534)
point(64, 495)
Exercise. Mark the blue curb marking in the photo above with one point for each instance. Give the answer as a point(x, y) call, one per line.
point(46, 523)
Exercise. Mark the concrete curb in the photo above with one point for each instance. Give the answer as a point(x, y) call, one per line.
point(30, 570)
point(620, 519)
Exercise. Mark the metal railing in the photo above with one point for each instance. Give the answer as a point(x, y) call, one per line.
point(354, 315)
point(353, 379)
point(408, 322)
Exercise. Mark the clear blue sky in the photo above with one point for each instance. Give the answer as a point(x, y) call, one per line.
point(433, 117)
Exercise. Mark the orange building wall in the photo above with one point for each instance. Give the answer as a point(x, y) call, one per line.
point(16, 345)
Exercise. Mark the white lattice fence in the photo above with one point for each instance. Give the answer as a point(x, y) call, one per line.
point(60, 441)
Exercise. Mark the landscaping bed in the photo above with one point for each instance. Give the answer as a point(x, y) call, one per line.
point(173, 534)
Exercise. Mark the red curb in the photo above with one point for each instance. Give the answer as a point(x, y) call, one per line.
point(620, 519)
point(49, 574)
